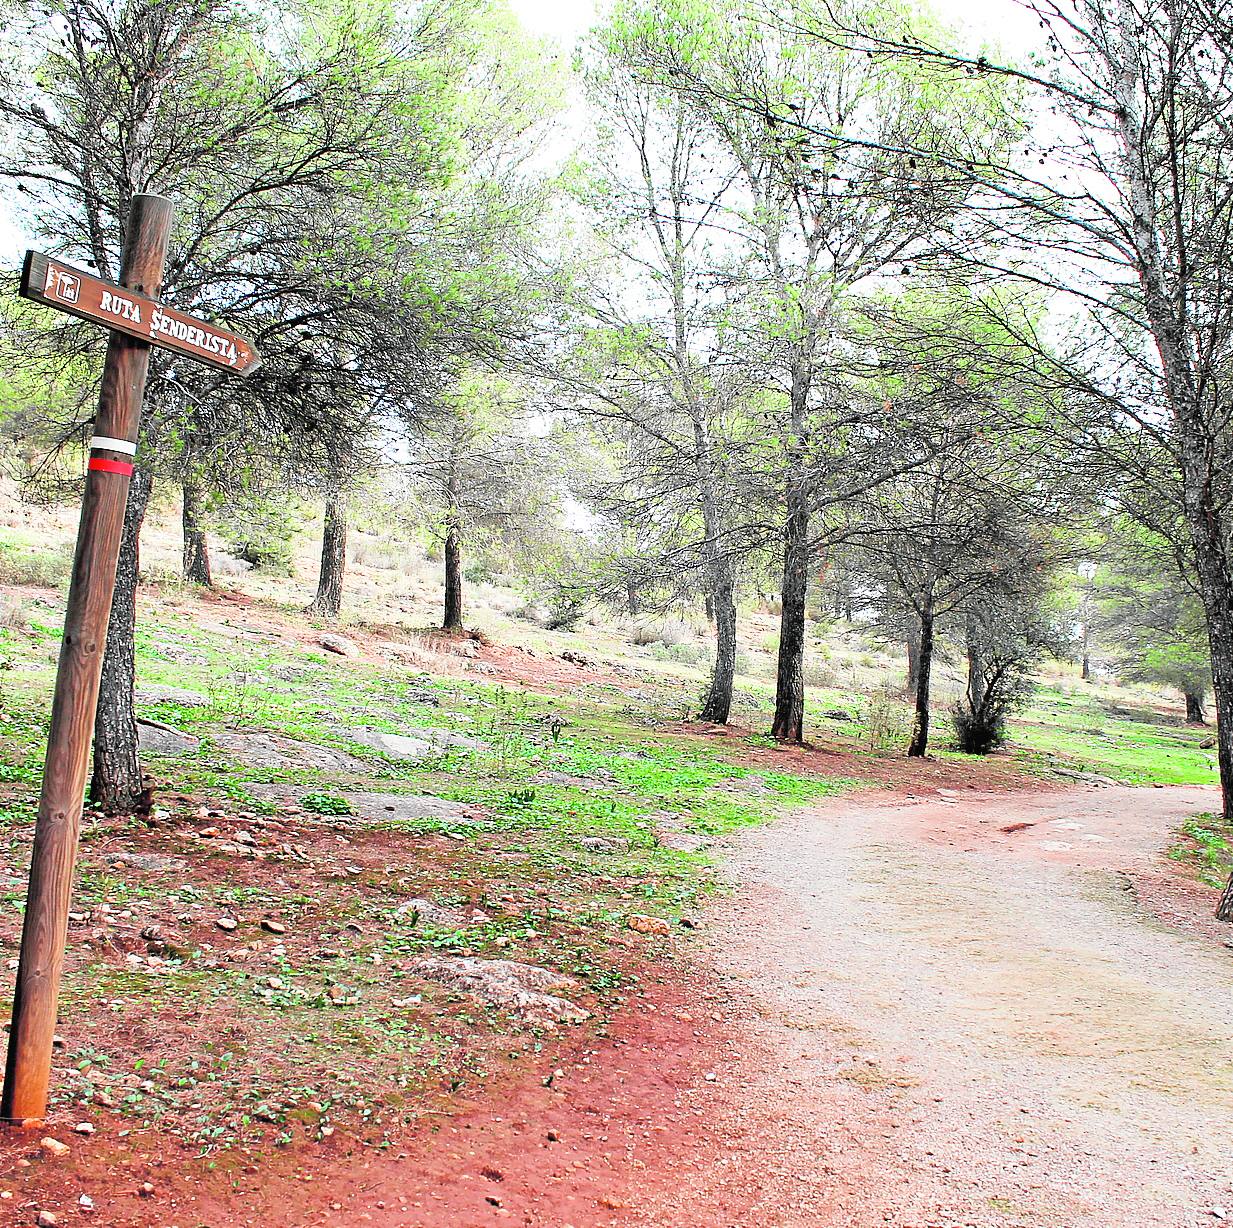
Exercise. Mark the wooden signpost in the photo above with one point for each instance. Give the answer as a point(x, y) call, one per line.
point(137, 321)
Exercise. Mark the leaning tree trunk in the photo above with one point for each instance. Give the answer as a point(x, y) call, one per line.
point(116, 786)
point(1202, 506)
point(196, 549)
point(920, 720)
point(328, 601)
point(1217, 588)
point(453, 578)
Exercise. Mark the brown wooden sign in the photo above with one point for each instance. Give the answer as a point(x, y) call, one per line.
point(48, 281)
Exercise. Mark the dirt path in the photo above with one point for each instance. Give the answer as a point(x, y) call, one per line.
point(964, 1025)
point(956, 1011)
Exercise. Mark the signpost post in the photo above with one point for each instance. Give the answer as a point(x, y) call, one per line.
point(137, 321)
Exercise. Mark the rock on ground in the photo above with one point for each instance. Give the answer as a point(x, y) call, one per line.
point(424, 744)
point(405, 807)
point(163, 740)
point(431, 913)
point(331, 641)
point(524, 989)
point(272, 750)
point(157, 693)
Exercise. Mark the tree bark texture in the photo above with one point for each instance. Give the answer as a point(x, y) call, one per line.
point(789, 722)
point(717, 706)
point(328, 601)
point(913, 645)
point(116, 786)
point(919, 744)
point(1194, 708)
point(1195, 432)
point(196, 550)
point(453, 579)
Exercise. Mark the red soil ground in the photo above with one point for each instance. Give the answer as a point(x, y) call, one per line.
point(934, 1011)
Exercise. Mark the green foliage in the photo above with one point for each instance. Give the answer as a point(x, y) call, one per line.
point(326, 803)
point(1206, 845)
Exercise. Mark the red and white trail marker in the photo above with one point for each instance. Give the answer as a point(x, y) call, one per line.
point(135, 322)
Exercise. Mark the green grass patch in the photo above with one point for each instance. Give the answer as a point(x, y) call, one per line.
point(1205, 846)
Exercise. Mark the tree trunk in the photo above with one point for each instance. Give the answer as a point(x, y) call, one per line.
point(1209, 533)
point(328, 601)
point(1194, 431)
point(631, 598)
point(920, 721)
point(453, 579)
point(1194, 708)
point(116, 786)
point(196, 550)
point(913, 645)
point(789, 723)
point(1085, 666)
point(718, 703)
point(976, 682)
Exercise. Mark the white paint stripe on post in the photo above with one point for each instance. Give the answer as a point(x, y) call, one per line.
point(114, 445)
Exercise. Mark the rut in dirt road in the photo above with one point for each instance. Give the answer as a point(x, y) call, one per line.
point(960, 1025)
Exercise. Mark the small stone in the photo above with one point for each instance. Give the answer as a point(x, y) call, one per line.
point(46, 1220)
point(83, 1127)
point(86, 1203)
point(53, 1146)
point(339, 644)
point(227, 924)
point(273, 927)
point(146, 1189)
point(642, 924)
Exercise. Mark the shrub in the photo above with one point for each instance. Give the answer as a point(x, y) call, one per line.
point(978, 732)
point(887, 722)
point(565, 605)
point(29, 565)
point(668, 631)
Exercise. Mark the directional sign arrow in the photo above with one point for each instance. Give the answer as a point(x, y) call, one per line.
point(47, 281)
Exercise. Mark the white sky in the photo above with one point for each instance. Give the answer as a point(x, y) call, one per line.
point(1001, 22)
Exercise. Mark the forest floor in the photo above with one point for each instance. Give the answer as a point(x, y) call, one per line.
point(771, 987)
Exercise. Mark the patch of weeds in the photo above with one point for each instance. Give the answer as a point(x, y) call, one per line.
point(325, 803)
point(1206, 847)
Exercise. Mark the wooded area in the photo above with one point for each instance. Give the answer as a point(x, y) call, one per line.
point(815, 310)
point(824, 299)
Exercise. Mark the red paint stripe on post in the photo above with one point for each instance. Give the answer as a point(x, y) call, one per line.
point(104, 465)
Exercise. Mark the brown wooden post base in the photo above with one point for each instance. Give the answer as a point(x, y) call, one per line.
point(44, 933)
